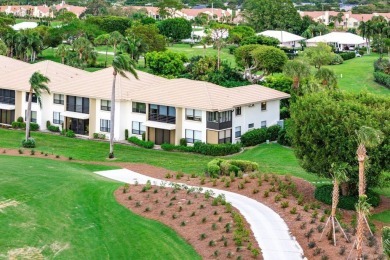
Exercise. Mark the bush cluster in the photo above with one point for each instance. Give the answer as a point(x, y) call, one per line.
point(347, 55)
point(68, 133)
point(22, 125)
point(139, 142)
point(29, 143)
point(53, 128)
point(324, 194)
point(99, 136)
point(219, 166)
point(260, 135)
point(205, 149)
point(382, 78)
point(337, 59)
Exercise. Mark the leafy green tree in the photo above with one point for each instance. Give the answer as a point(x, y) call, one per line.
point(271, 15)
point(103, 40)
point(38, 83)
point(115, 39)
point(110, 24)
point(82, 45)
point(167, 63)
point(65, 16)
point(175, 28)
point(96, 8)
point(327, 77)
point(150, 35)
point(260, 39)
point(134, 47)
point(3, 48)
point(269, 59)
point(386, 241)
point(319, 55)
point(121, 64)
point(245, 60)
point(166, 8)
point(239, 32)
point(322, 129)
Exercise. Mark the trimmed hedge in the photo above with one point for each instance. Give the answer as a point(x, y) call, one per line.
point(53, 128)
point(382, 78)
point(324, 194)
point(260, 135)
point(205, 149)
point(139, 142)
point(22, 125)
point(219, 166)
point(347, 55)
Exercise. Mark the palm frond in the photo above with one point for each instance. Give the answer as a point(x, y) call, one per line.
point(369, 136)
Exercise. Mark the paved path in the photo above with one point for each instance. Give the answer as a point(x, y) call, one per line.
point(269, 229)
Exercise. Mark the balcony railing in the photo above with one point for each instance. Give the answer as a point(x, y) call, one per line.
point(78, 109)
point(162, 118)
point(7, 100)
point(219, 126)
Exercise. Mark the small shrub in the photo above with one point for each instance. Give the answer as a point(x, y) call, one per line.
point(168, 175)
point(266, 194)
point(277, 198)
point(303, 225)
point(147, 209)
point(284, 204)
point(214, 226)
point(220, 219)
point(32, 152)
point(139, 142)
point(320, 228)
point(298, 217)
point(126, 134)
point(202, 236)
point(228, 207)
point(255, 191)
point(311, 244)
point(306, 207)
point(316, 251)
point(29, 143)
point(130, 197)
point(255, 252)
point(53, 128)
point(342, 250)
point(204, 219)
point(183, 223)
point(138, 204)
point(57, 156)
point(174, 216)
point(70, 158)
point(162, 213)
point(241, 185)
point(216, 253)
point(126, 188)
point(192, 214)
point(183, 142)
point(293, 210)
point(212, 243)
point(227, 183)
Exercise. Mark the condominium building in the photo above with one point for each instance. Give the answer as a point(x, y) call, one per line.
point(162, 110)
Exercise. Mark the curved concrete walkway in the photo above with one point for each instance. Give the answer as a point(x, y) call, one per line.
point(269, 229)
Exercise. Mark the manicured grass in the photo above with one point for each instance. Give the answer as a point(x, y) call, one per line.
point(66, 204)
point(195, 51)
point(382, 217)
point(357, 75)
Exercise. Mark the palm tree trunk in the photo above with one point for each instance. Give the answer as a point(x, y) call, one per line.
point(105, 62)
point(28, 116)
point(112, 118)
point(63, 59)
point(361, 153)
point(219, 57)
point(359, 236)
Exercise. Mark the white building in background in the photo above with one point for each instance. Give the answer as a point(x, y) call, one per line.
point(286, 39)
point(343, 41)
point(24, 25)
point(163, 110)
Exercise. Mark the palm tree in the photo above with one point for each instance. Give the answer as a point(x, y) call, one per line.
point(115, 39)
point(363, 210)
point(370, 138)
point(339, 176)
point(326, 77)
point(297, 69)
point(81, 45)
point(103, 40)
point(121, 64)
point(61, 51)
point(339, 19)
point(38, 83)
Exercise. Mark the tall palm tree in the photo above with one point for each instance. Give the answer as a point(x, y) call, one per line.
point(103, 40)
point(61, 51)
point(367, 138)
point(121, 64)
point(81, 45)
point(297, 69)
point(363, 210)
point(339, 176)
point(38, 83)
point(326, 77)
point(115, 39)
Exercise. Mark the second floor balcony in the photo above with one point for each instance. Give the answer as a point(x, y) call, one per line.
point(163, 114)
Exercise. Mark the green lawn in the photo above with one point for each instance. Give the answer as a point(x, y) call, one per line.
point(190, 52)
point(383, 216)
point(64, 205)
point(357, 75)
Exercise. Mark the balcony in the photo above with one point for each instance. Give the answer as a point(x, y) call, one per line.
point(219, 126)
point(162, 118)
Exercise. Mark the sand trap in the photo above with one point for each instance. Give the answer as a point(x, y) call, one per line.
point(57, 247)
point(8, 203)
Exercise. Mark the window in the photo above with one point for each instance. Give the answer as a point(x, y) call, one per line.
point(263, 106)
point(193, 136)
point(33, 116)
point(57, 118)
point(251, 125)
point(238, 111)
point(138, 128)
point(105, 125)
point(105, 105)
point(225, 136)
point(58, 99)
point(139, 107)
point(163, 114)
point(263, 124)
point(77, 104)
point(7, 96)
point(193, 114)
point(34, 97)
point(237, 131)
point(220, 117)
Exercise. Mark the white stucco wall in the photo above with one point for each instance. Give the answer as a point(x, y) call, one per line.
point(194, 125)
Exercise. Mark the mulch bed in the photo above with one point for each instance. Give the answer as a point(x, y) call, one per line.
point(306, 228)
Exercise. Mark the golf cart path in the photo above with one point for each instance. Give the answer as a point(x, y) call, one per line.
point(269, 229)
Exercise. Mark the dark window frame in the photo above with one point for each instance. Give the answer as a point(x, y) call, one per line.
point(57, 121)
point(138, 131)
point(105, 107)
point(71, 104)
point(59, 101)
point(32, 119)
point(192, 139)
point(7, 96)
point(136, 107)
point(193, 117)
point(238, 111)
point(105, 125)
point(237, 134)
point(263, 106)
point(34, 97)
